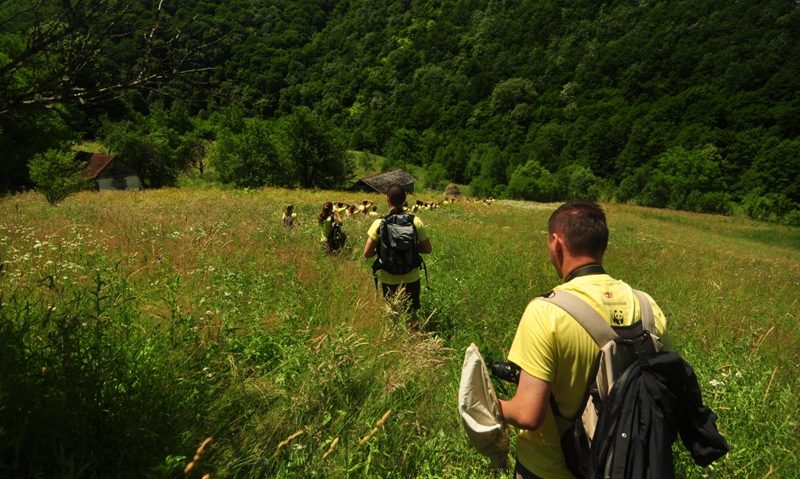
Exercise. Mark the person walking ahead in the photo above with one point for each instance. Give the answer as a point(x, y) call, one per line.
point(554, 351)
point(393, 281)
point(289, 216)
point(328, 219)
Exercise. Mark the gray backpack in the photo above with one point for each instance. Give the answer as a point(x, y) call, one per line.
point(397, 244)
point(397, 247)
point(620, 346)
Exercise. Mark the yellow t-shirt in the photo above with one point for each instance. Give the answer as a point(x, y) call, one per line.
point(554, 347)
point(340, 209)
point(288, 220)
point(411, 276)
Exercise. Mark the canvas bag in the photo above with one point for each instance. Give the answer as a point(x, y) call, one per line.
point(480, 410)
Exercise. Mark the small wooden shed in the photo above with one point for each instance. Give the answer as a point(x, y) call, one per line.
point(109, 173)
point(382, 181)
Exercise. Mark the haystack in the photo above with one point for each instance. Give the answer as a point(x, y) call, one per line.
point(452, 192)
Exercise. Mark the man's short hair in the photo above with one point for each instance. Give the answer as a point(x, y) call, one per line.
point(583, 226)
point(396, 194)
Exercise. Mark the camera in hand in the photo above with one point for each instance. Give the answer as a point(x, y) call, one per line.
point(507, 371)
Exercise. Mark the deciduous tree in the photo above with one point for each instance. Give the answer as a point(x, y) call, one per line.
point(250, 158)
point(57, 174)
point(317, 155)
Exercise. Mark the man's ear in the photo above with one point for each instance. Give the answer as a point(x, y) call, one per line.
point(559, 247)
point(556, 240)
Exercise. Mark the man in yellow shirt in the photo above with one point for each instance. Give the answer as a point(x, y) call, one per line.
point(554, 351)
point(408, 282)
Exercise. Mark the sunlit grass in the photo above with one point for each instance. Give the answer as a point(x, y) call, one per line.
point(161, 318)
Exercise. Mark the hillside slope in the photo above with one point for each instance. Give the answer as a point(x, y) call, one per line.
point(136, 324)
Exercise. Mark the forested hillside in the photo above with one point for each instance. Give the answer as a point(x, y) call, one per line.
point(684, 104)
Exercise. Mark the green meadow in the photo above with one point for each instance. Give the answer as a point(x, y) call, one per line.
point(186, 333)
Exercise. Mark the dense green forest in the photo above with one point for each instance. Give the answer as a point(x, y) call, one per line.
point(686, 104)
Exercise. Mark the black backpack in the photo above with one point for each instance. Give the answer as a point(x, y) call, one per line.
point(397, 244)
point(640, 399)
point(336, 237)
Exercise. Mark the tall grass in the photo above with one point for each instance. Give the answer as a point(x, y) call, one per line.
point(135, 325)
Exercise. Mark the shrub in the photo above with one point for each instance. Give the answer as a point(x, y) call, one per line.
point(58, 174)
point(531, 181)
point(576, 182)
point(792, 218)
point(656, 191)
point(249, 159)
point(776, 169)
point(484, 187)
point(74, 372)
point(629, 187)
point(680, 179)
point(711, 202)
point(769, 207)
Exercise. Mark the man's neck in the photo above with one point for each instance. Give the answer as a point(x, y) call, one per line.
point(585, 270)
point(572, 263)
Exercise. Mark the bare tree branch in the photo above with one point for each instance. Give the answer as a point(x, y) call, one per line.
point(15, 15)
point(66, 50)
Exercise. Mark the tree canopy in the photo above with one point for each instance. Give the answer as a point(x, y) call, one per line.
point(633, 95)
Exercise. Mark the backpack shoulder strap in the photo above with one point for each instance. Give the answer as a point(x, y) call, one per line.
point(413, 226)
point(592, 322)
point(381, 227)
point(648, 323)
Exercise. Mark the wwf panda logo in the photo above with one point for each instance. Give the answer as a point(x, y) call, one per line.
point(618, 317)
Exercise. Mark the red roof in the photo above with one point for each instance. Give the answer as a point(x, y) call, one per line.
point(97, 163)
